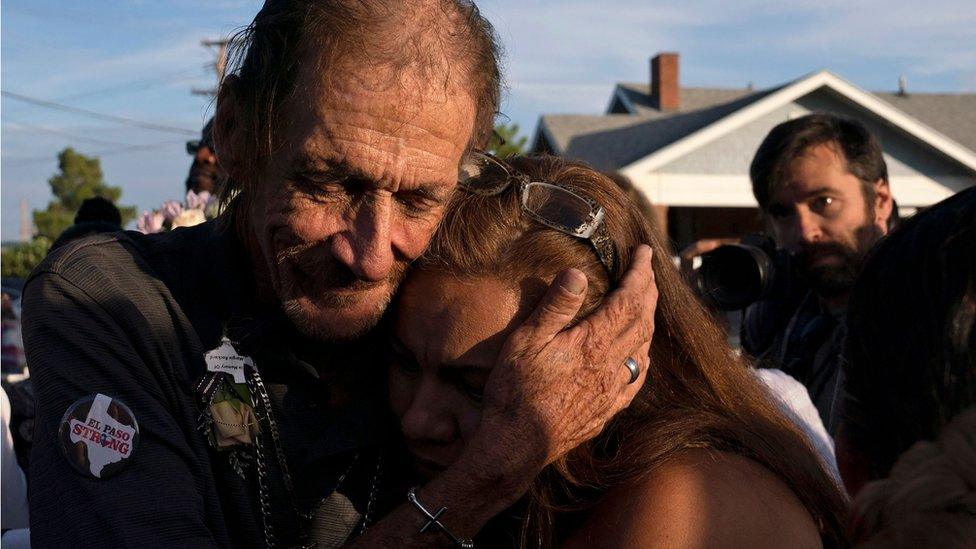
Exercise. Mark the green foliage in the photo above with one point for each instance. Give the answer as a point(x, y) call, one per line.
point(510, 143)
point(19, 260)
point(79, 179)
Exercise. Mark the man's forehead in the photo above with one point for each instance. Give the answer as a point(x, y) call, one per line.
point(409, 129)
point(412, 101)
point(819, 168)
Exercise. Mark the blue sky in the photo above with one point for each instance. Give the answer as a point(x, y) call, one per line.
point(139, 59)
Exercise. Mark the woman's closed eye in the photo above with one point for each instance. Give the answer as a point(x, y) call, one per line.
point(399, 357)
point(469, 382)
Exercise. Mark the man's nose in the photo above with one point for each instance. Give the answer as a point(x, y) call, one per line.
point(366, 248)
point(807, 227)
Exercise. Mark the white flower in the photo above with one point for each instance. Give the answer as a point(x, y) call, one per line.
point(151, 222)
point(171, 209)
point(189, 218)
point(198, 201)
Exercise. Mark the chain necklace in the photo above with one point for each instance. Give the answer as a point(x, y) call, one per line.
point(256, 385)
point(373, 493)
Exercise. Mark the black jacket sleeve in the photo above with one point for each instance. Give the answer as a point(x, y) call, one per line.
point(91, 326)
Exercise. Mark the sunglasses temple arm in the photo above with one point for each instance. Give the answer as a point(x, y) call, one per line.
point(603, 245)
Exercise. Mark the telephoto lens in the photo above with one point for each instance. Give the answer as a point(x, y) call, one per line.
point(734, 276)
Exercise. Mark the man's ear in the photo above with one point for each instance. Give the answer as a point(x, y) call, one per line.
point(883, 204)
point(228, 130)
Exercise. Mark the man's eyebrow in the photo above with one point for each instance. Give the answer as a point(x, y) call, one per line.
point(433, 193)
point(818, 191)
point(306, 165)
point(309, 165)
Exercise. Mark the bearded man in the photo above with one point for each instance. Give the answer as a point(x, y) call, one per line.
point(216, 386)
point(822, 185)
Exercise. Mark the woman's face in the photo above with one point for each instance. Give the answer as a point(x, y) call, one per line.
point(447, 335)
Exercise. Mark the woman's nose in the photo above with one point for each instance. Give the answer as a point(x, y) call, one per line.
point(429, 418)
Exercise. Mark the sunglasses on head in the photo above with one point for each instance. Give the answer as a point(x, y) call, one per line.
point(554, 205)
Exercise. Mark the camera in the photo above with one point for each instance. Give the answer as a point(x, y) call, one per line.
point(756, 278)
point(734, 276)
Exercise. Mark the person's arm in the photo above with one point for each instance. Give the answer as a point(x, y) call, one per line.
point(550, 391)
point(78, 346)
point(700, 499)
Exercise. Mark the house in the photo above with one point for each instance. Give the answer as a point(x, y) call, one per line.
point(689, 149)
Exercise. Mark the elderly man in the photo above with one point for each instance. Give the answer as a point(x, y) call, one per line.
point(215, 386)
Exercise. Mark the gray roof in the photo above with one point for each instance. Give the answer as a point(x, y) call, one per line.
point(611, 141)
point(689, 99)
point(951, 114)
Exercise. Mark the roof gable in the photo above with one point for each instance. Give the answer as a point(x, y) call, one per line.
point(611, 141)
point(755, 107)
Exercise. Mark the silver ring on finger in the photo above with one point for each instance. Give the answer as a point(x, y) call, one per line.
point(634, 368)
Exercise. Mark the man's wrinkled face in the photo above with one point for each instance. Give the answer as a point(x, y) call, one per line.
point(821, 216)
point(364, 167)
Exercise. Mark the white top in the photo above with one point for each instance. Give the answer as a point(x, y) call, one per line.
point(13, 507)
point(794, 401)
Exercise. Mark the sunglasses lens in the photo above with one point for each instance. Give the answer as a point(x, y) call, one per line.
point(559, 208)
point(483, 174)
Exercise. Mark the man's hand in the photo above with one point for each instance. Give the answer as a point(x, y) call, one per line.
point(552, 390)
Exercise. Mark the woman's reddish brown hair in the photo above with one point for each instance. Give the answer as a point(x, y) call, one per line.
point(698, 394)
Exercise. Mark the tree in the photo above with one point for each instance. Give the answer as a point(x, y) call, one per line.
point(19, 260)
point(506, 141)
point(80, 178)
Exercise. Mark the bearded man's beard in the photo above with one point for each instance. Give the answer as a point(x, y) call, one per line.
point(836, 279)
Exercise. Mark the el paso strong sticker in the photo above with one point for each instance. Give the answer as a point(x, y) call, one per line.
point(98, 435)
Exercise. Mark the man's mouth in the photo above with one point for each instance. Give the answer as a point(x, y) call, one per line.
point(319, 286)
point(827, 257)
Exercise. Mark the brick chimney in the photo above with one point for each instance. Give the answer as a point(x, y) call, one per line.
point(664, 81)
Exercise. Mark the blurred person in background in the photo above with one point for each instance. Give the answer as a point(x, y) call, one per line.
point(907, 441)
point(205, 172)
point(12, 341)
point(13, 486)
point(96, 215)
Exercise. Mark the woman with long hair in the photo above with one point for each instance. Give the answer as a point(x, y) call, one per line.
point(702, 457)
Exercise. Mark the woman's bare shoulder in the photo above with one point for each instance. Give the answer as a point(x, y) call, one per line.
point(700, 498)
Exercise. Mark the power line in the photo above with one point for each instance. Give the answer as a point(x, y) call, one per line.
point(98, 115)
point(104, 152)
point(45, 129)
point(138, 85)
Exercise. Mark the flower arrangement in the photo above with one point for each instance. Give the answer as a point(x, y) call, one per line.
point(198, 208)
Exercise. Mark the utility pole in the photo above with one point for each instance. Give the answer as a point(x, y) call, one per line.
point(219, 48)
point(25, 224)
